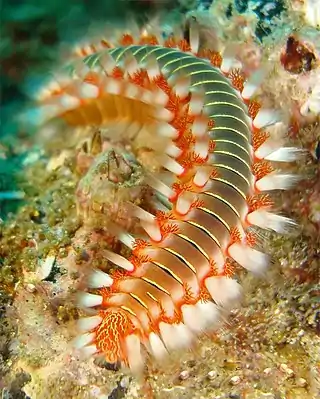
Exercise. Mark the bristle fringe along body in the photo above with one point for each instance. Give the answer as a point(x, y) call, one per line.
point(206, 128)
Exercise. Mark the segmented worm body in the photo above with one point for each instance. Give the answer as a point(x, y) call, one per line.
point(197, 112)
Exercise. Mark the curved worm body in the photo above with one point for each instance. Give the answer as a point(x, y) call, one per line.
point(197, 112)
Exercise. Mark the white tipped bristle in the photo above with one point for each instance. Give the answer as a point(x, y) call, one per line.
point(193, 319)
point(172, 165)
point(275, 181)
point(166, 130)
point(182, 86)
point(87, 300)
point(163, 114)
point(285, 154)
point(130, 64)
point(201, 148)
point(252, 84)
point(112, 86)
point(88, 90)
point(173, 151)
point(196, 102)
point(99, 279)
point(69, 102)
point(270, 221)
point(266, 117)
point(184, 203)
point(131, 91)
point(152, 67)
point(225, 291)
point(89, 323)
point(81, 69)
point(200, 126)
point(227, 64)
point(83, 340)
point(159, 186)
point(118, 260)
point(194, 37)
point(249, 258)
point(202, 176)
point(141, 213)
point(268, 147)
point(159, 97)
point(135, 359)
point(107, 62)
point(44, 113)
point(152, 229)
point(158, 349)
point(128, 241)
point(229, 60)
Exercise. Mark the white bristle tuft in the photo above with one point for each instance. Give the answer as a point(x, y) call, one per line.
point(249, 258)
point(193, 319)
point(265, 118)
point(270, 221)
point(89, 323)
point(184, 336)
point(225, 291)
point(275, 181)
point(118, 260)
point(135, 359)
point(158, 349)
point(83, 340)
point(210, 313)
point(99, 279)
point(175, 336)
point(87, 300)
point(285, 154)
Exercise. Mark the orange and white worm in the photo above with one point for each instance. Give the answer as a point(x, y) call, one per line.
point(211, 135)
